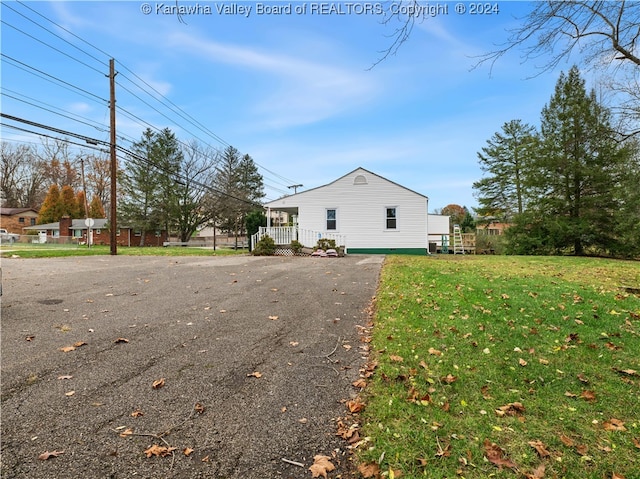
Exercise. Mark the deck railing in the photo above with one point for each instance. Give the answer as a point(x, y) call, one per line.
point(284, 235)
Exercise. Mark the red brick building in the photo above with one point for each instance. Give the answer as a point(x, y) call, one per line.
point(75, 230)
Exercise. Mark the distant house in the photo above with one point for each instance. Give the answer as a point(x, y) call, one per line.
point(76, 230)
point(362, 211)
point(15, 219)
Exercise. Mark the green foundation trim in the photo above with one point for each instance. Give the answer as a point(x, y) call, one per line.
point(412, 251)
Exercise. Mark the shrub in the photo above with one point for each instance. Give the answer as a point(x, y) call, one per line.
point(325, 244)
point(296, 246)
point(265, 247)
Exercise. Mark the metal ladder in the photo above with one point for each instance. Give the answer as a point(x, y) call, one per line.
point(458, 247)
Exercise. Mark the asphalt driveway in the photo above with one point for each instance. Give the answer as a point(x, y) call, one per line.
point(253, 359)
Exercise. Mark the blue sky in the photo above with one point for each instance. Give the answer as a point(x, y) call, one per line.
point(295, 91)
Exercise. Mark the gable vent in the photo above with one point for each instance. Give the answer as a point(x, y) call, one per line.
point(360, 180)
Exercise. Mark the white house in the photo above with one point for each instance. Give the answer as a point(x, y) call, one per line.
point(362, 211)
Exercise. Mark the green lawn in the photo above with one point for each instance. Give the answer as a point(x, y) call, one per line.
point(53, 251)
point(504, 367)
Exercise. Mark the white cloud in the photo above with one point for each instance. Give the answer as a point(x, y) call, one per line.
point(289, 90)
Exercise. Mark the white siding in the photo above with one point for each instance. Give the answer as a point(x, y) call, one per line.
point(361, 211)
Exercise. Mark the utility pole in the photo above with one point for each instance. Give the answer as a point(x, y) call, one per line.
point(295, 188)
point(84, 189)
point(114, 165)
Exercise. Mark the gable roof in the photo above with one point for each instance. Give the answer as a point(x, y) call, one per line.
point(359, 169)
point(16, 211)
point(99, 223)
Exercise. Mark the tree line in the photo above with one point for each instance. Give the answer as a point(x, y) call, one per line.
point(569, 186)
point(163, 184)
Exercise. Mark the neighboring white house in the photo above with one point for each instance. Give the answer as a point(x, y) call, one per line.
point(362, 211)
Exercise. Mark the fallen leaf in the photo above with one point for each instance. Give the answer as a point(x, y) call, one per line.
point(355, 406)
point(137, 413)
point(159, 451)
point(614, 425)
point(121, 340)
point(636, 442)
point(538, 473)
point(494, 454)
point(127, 432)
point(67, 349)
point(79, 344)
point(273, 318)
point(449, 379)
point(522, 362)
point(566, 440)
point(70, 393)
point(397, 359)
point(187, 451)
point(48, 455)
point(540, 448)
point(255, 374)
point(511, 409)
point(360, 383)
point(199, 408)
point(205, 459)
point(321, 465)
point(435, 352)
point(582, 449)
point(369, 470)
point(30, 338)
point(588, 396)
point(158, 383)
point(617, 476)
point(65, 377)
point(293, 343)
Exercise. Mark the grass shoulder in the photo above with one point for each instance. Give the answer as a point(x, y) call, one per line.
point(488, 366)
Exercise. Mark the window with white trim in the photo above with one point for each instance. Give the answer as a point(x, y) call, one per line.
point(391, 218)
point(332, 219)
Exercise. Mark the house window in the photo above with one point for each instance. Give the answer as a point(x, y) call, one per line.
point(33, 221)
point(137, 232)
point(21, 220)
point(97, 231)
point(332, 219)
point(157, 233)
point(77, 233)
point(391, 218)
point(118, 232)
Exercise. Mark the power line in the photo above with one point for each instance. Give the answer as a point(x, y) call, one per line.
point(52, 77)
point(129, 153)
point(66, 114)
point(50, 46)
point(163, 100)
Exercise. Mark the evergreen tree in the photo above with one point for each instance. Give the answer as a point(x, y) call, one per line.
point(69, 202)
point(502, 194)
point(250, 187)
point(51, 209)
point(571, 179)
point(239, 186)
point(96, 209)
point(142, 185)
